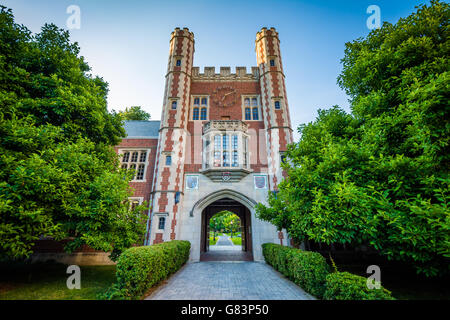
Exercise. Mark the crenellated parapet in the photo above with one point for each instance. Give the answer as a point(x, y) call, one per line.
point(240, 74)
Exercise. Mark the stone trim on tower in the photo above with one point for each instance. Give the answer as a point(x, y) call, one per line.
point(273, 88)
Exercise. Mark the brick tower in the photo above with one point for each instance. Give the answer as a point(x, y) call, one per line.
point(169, 167)
point(274, 101)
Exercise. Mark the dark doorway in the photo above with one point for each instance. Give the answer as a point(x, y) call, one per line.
point(245, 252)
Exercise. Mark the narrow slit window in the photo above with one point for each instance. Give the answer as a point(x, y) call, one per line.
point(174, 105)
point(277, 105)
point(168, 160)
point(162, 223)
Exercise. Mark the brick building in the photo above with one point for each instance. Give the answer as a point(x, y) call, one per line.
point(218, 145)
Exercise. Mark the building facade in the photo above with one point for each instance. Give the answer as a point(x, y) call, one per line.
point(219, 145)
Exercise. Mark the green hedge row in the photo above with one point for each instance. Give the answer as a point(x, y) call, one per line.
point(140, 268)
point(347, 286)
point(310, 271)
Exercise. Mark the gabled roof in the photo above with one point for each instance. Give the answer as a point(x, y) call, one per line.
point(136, 129)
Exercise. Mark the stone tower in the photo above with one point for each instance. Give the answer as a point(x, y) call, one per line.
point(169, 167)
point(274, 101)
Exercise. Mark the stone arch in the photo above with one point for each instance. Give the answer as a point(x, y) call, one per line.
point(224, 193)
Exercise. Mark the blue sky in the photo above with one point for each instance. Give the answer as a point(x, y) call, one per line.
point(127, 42)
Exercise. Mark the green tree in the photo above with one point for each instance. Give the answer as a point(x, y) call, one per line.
point(59, 174)
point(134, 113)
point(216, 223)
point(232, 222)
point(380, 175)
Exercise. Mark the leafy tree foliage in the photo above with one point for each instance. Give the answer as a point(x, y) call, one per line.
point(134, 113)
point(224, 220)
point(59, 174)
point(380, 175)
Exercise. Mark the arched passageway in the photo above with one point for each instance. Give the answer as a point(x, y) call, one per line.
point(245, 252)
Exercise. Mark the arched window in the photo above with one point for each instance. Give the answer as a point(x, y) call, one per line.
point(203, 114)
point(174, 105)
point(277, 105)
point(195, 114)
point(255, 113)
point(248, 115)
point(254, 102)
point(204, 101)
point(197, 101)
point(247, 102)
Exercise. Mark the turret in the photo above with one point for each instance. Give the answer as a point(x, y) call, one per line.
point(274, 101)
point(169, 169)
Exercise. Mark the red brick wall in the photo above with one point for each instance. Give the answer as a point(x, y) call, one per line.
point(257, 142)
point(142, 189)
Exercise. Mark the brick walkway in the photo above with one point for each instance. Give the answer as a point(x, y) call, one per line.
point(229, 281)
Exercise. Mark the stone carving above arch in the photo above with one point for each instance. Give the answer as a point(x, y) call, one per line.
point(220, 194)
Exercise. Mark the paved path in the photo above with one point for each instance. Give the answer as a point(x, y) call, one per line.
point(229, 281)
point(224, 241)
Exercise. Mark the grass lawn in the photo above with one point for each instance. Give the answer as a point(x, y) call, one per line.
point(212, 241)
point(47, 281)
point(237, 241)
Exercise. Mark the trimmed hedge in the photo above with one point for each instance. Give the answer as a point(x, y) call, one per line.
point(140, 268)
point(347, 286)
point(310, 271)
point(306, 268)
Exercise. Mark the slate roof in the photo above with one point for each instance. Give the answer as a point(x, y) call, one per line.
point(136, 129)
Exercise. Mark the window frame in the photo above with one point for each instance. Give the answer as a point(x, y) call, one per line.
point(251, 107)
point(202, 107)
point(163, 219)
point(221, 151)
point(168, 156)
point(275, 104)
point(137, 163)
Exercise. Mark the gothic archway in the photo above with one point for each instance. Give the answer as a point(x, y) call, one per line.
point(243, 252)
